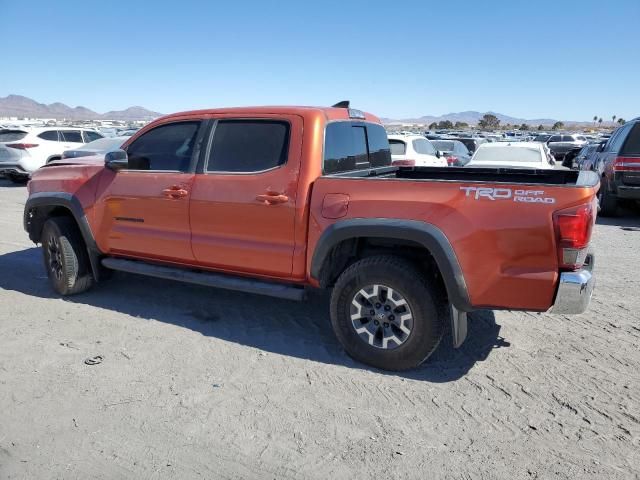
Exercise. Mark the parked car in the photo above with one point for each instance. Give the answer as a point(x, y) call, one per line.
point(586, 156)
point(513, 155)
point(472, 144)
point(414, 151)
point(543, 138)
point(454, 151)
point(618, 163)
point(23, 151)
point(252, 199)
point(560, 145)
point(97, 147)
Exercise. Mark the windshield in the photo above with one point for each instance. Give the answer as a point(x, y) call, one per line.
point(443, 145)
point(507, 154)
point(11, 135)
point(105, 144)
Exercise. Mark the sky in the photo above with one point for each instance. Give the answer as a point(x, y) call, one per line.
point(560, 59)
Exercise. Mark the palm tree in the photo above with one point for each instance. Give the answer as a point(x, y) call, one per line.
point(613, 117)
point(595, 119)
point(600, 122)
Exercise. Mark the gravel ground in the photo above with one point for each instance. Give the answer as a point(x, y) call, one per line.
point(205, 383)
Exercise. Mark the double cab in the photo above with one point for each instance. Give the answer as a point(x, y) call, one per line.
point(280, 200)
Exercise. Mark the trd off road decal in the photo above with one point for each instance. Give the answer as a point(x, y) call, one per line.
point(524, 196)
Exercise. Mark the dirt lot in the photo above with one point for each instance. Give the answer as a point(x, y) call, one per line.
point(204, 383)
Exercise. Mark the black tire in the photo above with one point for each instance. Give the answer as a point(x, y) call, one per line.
point(65, 256)
point(607, 201)
point(421, 298)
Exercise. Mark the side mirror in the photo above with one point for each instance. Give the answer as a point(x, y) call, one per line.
point(438, 154)
point(116, 160)
point(600, 148)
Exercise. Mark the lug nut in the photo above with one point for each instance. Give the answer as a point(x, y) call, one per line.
point(372, 312)
point(376, 322)
point(378, 305)
point(387, 307)
point(392, 317)
point(386, 325)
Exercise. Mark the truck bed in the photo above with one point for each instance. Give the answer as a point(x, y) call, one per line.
point(499, 222)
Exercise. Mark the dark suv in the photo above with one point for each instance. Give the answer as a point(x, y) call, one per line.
point(618, 162)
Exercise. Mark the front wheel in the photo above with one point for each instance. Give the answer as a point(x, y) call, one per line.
point(385, 313)
point(65, 256)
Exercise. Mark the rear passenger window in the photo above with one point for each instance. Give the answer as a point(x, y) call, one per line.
point(165, 148)
point(632, 145)
point(618, 139)
point(71, 136)
point(355, 146)
point(51, 135)
point(423, 147)
point(243, 146)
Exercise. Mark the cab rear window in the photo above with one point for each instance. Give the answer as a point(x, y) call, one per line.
point(350, 146)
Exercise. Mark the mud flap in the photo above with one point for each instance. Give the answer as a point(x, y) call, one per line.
point(458, 326)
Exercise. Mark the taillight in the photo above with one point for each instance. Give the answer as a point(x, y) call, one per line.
point(626, 164)
point(404, 163)
point(451, 160)
point(21, 146)
point(573, 228)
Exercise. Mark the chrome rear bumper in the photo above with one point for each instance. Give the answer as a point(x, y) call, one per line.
point(575, 289)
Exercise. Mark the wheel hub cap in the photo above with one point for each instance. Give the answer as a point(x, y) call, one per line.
point(381, 316)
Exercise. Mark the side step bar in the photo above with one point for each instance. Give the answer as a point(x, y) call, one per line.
point(209, 279)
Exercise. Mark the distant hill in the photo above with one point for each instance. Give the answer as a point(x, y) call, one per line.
point(19, 106)
point(473, 117)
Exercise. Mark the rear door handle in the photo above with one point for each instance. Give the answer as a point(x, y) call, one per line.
point(175, 192)
point(272, 198)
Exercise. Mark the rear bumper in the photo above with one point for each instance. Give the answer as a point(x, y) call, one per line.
point(12, 168)
point(631, 193)
point(575, 289)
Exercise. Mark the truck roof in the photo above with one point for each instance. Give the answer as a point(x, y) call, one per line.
point(330, 113)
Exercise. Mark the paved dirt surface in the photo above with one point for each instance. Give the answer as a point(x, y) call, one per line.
point(204, 383)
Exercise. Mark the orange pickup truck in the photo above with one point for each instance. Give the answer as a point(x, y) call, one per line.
point(277, 200)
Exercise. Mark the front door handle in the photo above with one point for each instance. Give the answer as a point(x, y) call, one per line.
point(175, 192)
point(272, 198)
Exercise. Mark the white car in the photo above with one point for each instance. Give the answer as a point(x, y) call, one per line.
point(24, 150)
point(513, 155)
point(414, 151)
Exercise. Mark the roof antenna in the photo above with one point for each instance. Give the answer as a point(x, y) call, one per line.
point(342, 104)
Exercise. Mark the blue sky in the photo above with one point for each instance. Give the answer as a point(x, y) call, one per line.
point(568, 59)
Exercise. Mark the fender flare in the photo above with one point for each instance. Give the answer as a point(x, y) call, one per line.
point(71, 203)
point(422, 233)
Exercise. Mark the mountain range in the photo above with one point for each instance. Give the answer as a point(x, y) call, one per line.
point(472, 118)
point(24, 107)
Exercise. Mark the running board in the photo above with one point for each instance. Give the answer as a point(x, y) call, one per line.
point(209, 279)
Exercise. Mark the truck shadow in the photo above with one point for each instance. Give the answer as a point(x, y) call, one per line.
point(281, 327)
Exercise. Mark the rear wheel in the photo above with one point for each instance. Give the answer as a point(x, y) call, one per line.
point(385, 313)
point(607, 201)
point(65, 256)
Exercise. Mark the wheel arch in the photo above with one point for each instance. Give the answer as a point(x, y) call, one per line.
point(340, 241)
point(44, 205)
